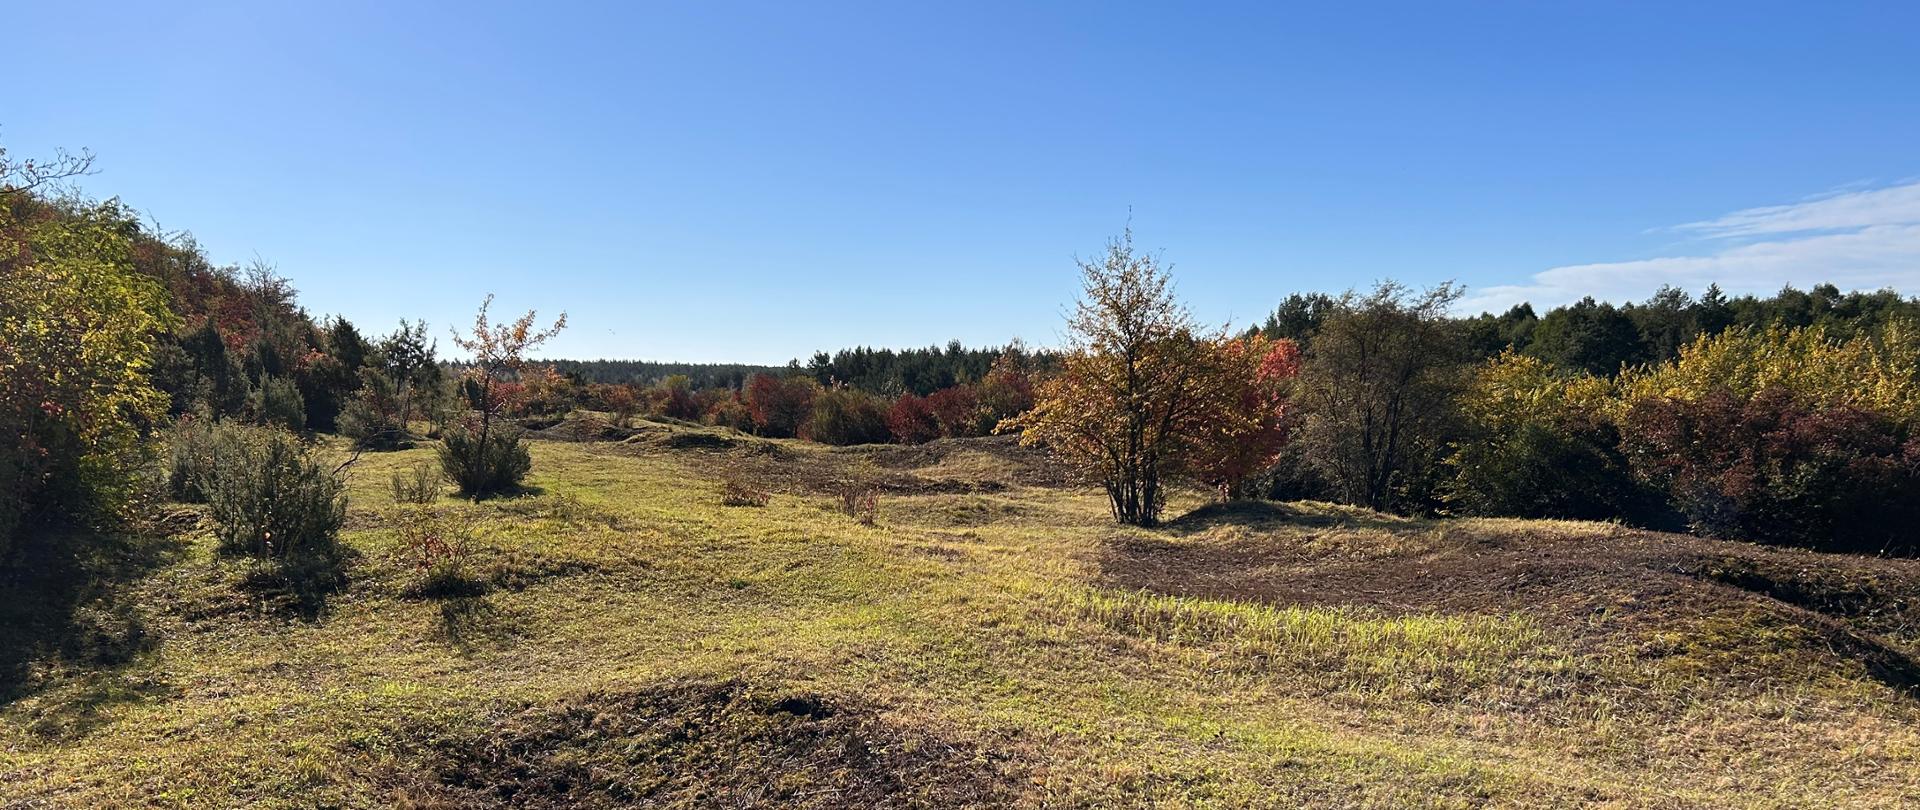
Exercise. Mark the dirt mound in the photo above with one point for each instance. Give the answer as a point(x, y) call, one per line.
point(715, 744)
point(576, 427)
point(946, 467)
point(650, 435)
point(1605, 587)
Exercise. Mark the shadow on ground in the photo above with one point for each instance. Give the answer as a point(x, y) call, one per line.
point(69, 624)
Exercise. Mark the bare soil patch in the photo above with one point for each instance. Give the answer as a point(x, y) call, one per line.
point(703, 743)
point(1602, 587)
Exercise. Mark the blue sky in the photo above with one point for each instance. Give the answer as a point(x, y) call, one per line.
point(725, 181)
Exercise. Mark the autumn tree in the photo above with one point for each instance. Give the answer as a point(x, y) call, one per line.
point(1005, 391)
point(1126, 385)
point(676, 397)
point(621, 401)
point(77, 332)
point(1245, 415)
point(482, 454)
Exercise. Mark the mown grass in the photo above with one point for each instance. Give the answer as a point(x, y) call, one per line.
point(978, 620)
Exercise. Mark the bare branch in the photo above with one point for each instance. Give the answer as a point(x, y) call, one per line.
point(24, 176)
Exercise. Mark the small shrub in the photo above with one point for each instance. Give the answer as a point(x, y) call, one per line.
point(190, 446)
point(277, 403)
point(485, 466)
point(437, 552)
point(732, 413)
point(418, 484)
point(372, 419)
point(270, 498)
point(736, 492)
point(861, 503)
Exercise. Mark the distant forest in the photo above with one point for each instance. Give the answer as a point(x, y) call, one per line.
point(881, 371)
point(1597, 337)
point(648, 372)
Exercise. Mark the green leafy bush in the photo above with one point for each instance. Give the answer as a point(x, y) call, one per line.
point(278, 403)
point(270, 498)
point(372, 419)
point(1538, 442)
point(484, 463)
point(77, 336)
point(190, 444)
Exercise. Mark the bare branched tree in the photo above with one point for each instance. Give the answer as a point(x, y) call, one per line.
point(22, 176)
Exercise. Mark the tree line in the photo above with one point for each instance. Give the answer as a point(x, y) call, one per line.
point(1792, 419)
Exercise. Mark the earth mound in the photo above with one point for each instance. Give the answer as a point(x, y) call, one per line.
point(703, 743)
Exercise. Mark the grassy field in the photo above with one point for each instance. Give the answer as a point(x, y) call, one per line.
point(621, 637)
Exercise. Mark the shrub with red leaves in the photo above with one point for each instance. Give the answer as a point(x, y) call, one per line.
point(911, 420)
point(1774, 470)
point(956, 410)
point(1245, 417)
point(780, 405)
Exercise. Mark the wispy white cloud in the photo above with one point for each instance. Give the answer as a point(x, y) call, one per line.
point(1857, 239)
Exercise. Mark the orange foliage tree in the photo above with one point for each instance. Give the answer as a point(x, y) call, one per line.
point(1129, 385)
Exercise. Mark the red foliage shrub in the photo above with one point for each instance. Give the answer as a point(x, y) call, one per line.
point(709, 398)
point(1775, 470)
point(780, 405)
point(1006, 391)
point(725, 409)
point(680, 403)
point(620, 400)
point(911, 420)
point(956, 410)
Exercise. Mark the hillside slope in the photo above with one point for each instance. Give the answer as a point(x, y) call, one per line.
point(993, 640)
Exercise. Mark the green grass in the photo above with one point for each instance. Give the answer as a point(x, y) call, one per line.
point(973, 618)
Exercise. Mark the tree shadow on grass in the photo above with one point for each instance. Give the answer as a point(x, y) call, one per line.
point(299, 587)
point(69, 626)
point(474, 623)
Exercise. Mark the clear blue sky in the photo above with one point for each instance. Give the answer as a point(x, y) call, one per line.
point(724, 181)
